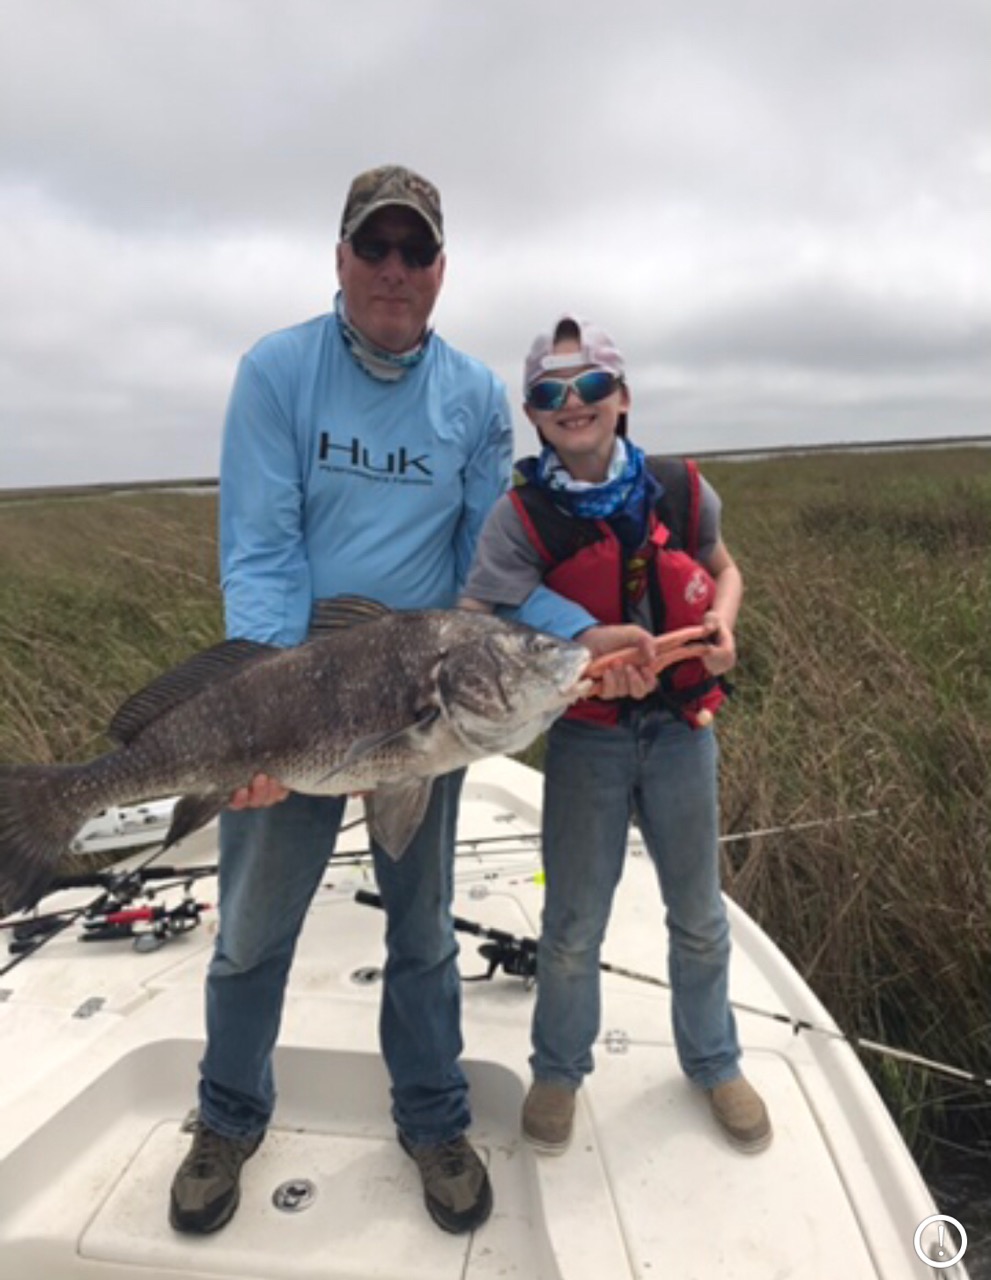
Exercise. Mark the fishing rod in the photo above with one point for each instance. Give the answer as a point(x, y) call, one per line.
point(149, 927)
point(113, 882)
point(518, 957)
point(41, 928)
point(109, 915)
point(810, 824)
point(469, 843)
point(114, 879)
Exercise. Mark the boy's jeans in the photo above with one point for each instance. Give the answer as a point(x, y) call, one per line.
point(596, 777)
point(272, 862)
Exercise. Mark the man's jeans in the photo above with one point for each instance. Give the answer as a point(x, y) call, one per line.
point(666, 773)
point(271, 864)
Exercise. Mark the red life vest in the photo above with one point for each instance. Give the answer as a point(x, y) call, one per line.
point(585, 562)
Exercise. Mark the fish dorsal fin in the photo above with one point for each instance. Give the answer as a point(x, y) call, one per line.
point(180, 683)
point(342, 612)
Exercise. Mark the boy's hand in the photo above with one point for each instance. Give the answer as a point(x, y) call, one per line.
point(719, 655)
point(632, 680)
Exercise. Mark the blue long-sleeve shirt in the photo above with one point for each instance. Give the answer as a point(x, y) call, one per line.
point(332, 483)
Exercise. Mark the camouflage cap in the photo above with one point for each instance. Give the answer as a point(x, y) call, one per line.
point(391, 184)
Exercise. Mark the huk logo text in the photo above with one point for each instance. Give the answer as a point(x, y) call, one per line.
point(397, 465)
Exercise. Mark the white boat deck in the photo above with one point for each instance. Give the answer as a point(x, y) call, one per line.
point(100, 1050)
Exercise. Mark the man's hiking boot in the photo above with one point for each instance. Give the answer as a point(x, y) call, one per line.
point(456, 1186)
point(549, 1117)
point(741, 1114)
point(206, 1188)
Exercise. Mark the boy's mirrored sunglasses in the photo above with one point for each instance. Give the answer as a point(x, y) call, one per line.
point(416, 254)
point(551, 393)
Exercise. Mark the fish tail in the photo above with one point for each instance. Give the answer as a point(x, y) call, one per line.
point(41, 809)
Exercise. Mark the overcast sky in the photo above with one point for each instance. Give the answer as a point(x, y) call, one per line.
point(780, 208)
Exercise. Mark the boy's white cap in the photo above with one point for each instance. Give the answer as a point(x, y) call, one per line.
point(597, 349)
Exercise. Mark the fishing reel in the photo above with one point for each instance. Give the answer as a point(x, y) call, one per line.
point(517, 957)
point(149, 927)
point(114, 917)
point(510, 954)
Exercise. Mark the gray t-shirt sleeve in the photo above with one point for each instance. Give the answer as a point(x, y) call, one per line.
point(506, 568)
point(710, 519)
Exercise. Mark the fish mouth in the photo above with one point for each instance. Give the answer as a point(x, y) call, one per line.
point(582, 686)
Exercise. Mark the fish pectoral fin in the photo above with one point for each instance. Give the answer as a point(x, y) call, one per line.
point(362, 747)
point(192, 812)
point(394, 814)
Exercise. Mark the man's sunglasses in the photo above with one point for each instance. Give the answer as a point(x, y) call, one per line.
point(416, 254)
point(551, 393)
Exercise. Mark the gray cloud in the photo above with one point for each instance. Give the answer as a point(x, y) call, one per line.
point(780, 210)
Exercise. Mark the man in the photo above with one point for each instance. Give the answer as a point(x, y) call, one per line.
point(361, 455)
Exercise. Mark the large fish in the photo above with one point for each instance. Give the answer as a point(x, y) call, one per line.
point(373, 701)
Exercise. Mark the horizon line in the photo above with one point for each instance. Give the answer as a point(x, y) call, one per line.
point(754, 452)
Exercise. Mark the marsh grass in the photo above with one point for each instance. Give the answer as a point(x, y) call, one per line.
point(864, 683)
point(97, 595)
